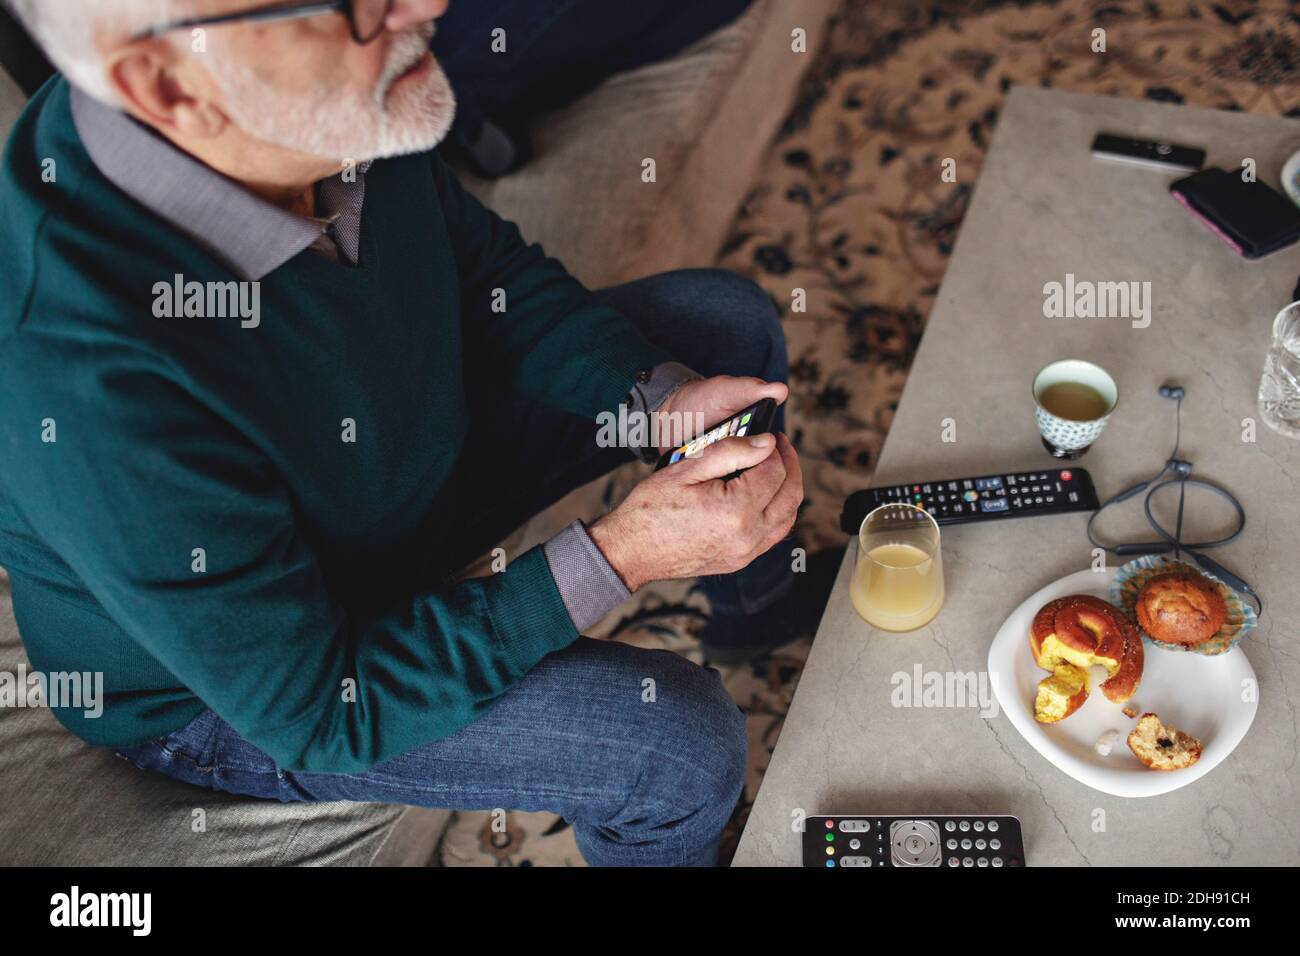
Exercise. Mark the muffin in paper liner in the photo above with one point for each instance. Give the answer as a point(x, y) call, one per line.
point(1241, 617)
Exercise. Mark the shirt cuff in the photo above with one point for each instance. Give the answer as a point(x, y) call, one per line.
point(645, 397)
point(589, 586)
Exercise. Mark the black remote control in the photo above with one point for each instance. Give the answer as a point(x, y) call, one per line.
point(1152, 153)
point(1015, 495)
point(954, 840)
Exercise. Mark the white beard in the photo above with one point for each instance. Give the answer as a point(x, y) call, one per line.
point(350, 125)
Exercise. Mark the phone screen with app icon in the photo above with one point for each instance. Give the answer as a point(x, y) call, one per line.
point(754, 420)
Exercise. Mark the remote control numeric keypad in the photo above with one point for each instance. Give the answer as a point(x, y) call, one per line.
point(859, 842)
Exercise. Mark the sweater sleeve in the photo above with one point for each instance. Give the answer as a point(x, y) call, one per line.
point(185, 535)
point(552, 340)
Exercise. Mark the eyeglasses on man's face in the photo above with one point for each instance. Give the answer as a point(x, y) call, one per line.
point(365, 17)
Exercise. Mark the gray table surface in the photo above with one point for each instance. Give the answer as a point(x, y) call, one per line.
point(1043, 208)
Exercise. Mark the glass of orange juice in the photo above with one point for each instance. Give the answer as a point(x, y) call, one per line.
point(898, 582)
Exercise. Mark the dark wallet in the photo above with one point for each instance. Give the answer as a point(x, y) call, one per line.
point(1251, 217)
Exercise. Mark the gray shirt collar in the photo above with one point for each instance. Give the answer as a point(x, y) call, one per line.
point(250, 234)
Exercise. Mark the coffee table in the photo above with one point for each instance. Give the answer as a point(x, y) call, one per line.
point(1043, 208)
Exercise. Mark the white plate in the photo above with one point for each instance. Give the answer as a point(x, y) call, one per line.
point(1199, 695)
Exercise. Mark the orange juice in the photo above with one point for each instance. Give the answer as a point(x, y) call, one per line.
point(897, 587)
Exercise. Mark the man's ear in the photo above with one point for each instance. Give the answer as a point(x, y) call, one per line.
point(166, 91)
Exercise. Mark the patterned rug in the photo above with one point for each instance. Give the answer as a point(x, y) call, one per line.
point(849, 206)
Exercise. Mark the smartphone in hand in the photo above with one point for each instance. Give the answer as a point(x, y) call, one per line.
point(754, 420)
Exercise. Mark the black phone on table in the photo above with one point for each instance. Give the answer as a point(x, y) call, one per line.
point(1251, 217)
point(754, 420)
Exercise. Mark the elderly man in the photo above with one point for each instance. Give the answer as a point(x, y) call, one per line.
point(269, 377)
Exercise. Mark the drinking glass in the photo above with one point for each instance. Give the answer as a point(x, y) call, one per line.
point(898, 582)
point(1279, 388)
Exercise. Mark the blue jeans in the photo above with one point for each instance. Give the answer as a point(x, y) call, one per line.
point(646, 773)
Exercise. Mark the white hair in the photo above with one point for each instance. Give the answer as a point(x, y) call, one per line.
point(66, 31)
point(334, 118)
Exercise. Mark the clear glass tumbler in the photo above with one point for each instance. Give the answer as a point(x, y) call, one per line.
point(1279, 388)
point(898, 582)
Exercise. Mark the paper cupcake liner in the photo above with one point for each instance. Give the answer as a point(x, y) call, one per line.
point(1241, 619)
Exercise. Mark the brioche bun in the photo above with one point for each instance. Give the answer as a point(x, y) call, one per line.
point(1061, 694)
point(1072, 634)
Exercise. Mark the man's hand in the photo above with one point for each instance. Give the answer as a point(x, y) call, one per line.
point(684, 521)
point(713, 399)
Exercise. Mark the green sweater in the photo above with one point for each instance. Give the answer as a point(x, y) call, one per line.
point(313, 619)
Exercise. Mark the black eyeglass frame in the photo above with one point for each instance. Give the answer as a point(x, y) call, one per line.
point(283, 11)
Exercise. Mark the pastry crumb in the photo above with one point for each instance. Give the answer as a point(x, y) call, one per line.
point(1106, 742)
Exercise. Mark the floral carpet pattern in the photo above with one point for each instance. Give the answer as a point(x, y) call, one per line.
point(851, 207)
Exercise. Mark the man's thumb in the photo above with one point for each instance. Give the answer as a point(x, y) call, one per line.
point(726, 456)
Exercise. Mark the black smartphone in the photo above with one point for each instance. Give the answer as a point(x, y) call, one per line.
point(1253, 218)
point(754, 420)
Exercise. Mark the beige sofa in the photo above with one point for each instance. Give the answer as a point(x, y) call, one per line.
point(705, 117)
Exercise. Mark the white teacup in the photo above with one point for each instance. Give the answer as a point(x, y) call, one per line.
point(1070, 437)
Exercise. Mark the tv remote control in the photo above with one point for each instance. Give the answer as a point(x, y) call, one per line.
point(952, 840)
point(989, 497)
point(1155, 154)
